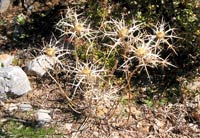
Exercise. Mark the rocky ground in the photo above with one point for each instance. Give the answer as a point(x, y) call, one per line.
point(45, 106)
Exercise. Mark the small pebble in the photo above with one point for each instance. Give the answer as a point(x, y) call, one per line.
point(11, 107)
point(25, 107)
point(43, 116)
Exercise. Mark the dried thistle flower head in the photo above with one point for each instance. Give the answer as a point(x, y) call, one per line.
point(74, 25)
point(78, 27)
point(50, 51)
point(163, 35)
point(86, 71)
point(160, 34)
point(141, 52)
point(119, 29)
point(86, 75)
point(144, 55)
point(120, 33)
point(123, 33)
point(55, 49)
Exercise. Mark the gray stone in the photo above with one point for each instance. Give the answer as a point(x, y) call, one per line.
point(43, 116)
point(6, 60)
point(4, 4)
point(14, 81)
point(40, 65)
point(68, 126)
point(25, 107)
point(194, 85)
point(3, 96)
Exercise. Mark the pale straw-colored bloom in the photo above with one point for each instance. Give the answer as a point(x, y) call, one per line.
point(74, 25)
point(86, 75)
point(119, 32)
point(163, 35)
point(144, 54)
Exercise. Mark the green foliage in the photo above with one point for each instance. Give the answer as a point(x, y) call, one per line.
point(21, 19)
point(98, 10)
point(18, 130)
point(149, 102)
point(2, 22)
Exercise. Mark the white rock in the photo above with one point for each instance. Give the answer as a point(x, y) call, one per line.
point(25, 107)
point(4, 4)
point(14, 81)
point(3, 96)
point(194, 85)
point(43, 115)
point(68, 126)
point(6, 60)
point(11, 107)
point(2, 120)
point(40, 65)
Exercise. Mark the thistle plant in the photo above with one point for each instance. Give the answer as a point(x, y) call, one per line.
point(55, 49)
point(140, 51)
point(146, 51)
point(143, 53)
point(75, 26)
point(120, 33)
point(163, 35)
point(87, 75)
point(139, 47)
